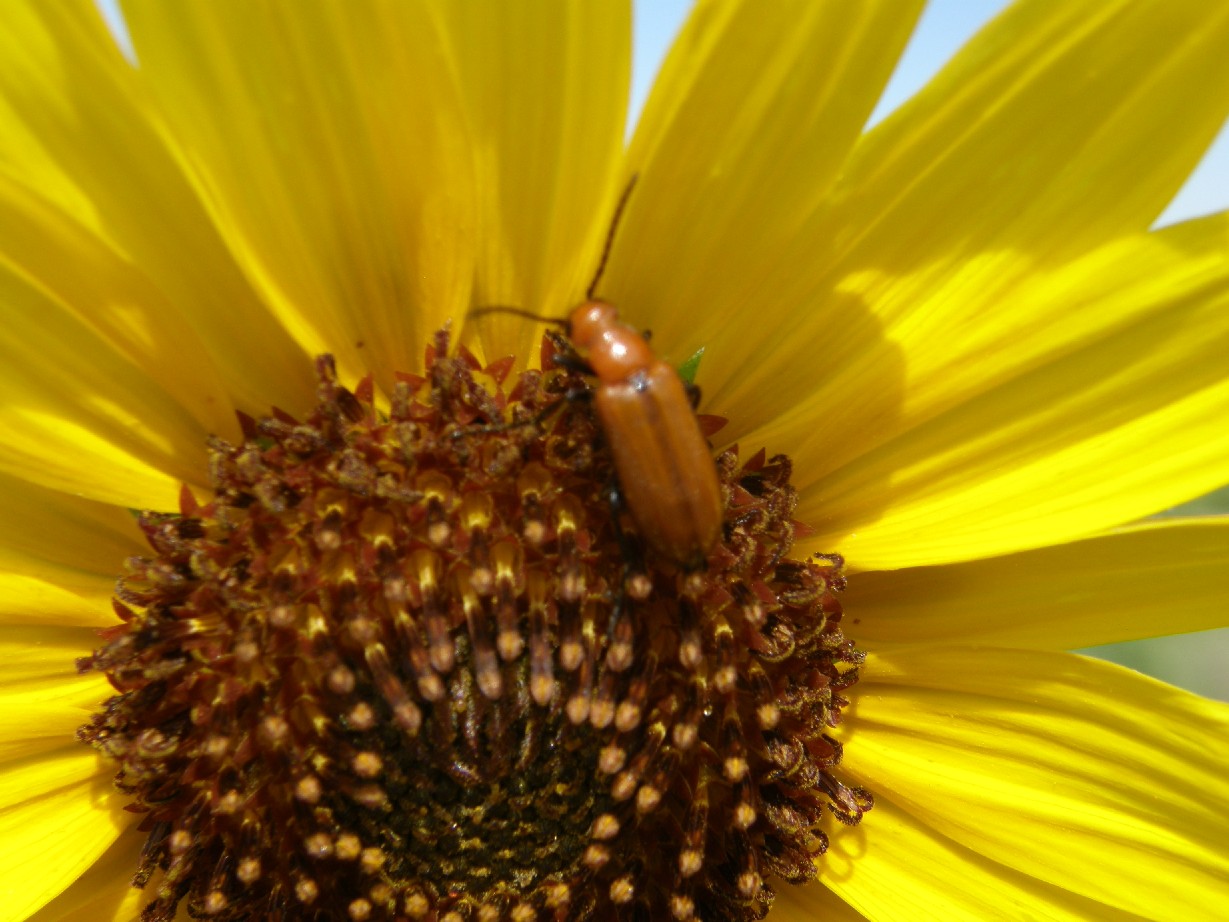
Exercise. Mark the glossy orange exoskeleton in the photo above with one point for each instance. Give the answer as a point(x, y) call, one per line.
point(662, 461)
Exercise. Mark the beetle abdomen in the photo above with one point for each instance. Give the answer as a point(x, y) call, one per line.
point(663, 462)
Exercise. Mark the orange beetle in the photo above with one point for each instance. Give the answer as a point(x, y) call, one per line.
point(665, 469)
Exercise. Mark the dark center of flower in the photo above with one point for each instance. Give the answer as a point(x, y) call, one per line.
point(413, 665)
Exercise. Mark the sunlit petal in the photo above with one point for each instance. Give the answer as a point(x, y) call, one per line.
point(345, 190)
point(1062, 768)
point(1107, 407)
point(101, 428)
point(895, 868)
point(1056, 130)
point(83, 138)
point(104, 893)
point(749, 123)
point(546, 154)
point(1147, 581)
point(59, 555)
point(58, 813)
point(40, 661)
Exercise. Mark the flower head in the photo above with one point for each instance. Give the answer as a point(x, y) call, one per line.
point(387, 644)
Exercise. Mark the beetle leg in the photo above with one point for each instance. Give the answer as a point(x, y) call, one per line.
point(628, 548)
point(631, 551)
point(571, 361)
point(576, 395)
point(493, 428)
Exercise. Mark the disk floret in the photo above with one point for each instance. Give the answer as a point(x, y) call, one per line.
point(410, 662)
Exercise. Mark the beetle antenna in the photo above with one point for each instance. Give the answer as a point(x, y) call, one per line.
point(515, 311)
point(610, 234)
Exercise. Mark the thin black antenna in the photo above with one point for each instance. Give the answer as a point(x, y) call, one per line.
point(614, 225)
point(515, 311)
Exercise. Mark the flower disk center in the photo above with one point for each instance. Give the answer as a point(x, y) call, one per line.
point(414, 664)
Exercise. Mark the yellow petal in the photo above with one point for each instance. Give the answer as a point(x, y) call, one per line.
point(1145, 581)
point(104, 893)
point(1066, 769)
point(58, 814)
point(44, 590)
point(1036, 145)
point(1107, 407)
point(79, 134)
point(38, 716)
point(753, 115)
point(327, 142)
point(1058, 127)
point(968, 338)
point(894, 868)
point(41, 659)
point(44, 601)
point(545, 89)
point(809, 903)
point(60, 555)
point(112, 298)
point(79, 416)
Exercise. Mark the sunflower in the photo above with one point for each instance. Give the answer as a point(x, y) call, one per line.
point(982, 364)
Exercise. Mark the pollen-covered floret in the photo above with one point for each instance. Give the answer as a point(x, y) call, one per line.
point(410, 664)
